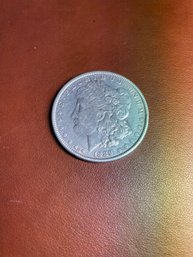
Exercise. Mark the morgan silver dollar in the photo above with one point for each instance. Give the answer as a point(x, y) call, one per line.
point(100, 116)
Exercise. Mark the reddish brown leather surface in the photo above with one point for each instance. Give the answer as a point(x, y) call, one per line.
point(53, 204)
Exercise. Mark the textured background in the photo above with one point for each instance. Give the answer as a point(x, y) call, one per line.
point(55, 205)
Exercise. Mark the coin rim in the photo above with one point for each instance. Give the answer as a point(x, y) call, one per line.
point(65, 144)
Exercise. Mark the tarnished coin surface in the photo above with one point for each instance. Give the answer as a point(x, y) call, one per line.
point(100, 116)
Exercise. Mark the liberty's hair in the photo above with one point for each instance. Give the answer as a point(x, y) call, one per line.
point(112, 106)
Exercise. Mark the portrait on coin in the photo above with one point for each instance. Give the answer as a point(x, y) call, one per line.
point(101, 114)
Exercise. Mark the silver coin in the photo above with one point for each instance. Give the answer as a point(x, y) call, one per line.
point(100, 116)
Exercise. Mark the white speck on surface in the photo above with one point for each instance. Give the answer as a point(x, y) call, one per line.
point(15, 201)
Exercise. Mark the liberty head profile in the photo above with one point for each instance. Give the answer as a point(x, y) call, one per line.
point(101, 114)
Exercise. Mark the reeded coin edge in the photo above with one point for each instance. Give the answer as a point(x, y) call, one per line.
point(72, 151)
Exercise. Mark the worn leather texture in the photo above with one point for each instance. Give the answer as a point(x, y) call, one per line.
point(53, 204)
